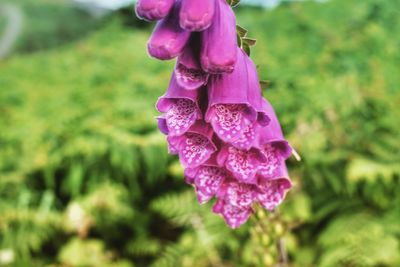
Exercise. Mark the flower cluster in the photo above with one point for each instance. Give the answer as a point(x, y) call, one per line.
point(225, 133)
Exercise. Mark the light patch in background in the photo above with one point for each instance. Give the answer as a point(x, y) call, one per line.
point(98, 7)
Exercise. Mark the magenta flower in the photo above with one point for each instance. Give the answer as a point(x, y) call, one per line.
point(234, 216)
point(207, 179)
point(227, 136)
point(237, 194)
point(195, 146)
point(180, 109)
point(188, 71)
point(271, 192)
point(219, 43)
point(168, 38)
point(243, 164)
point(235, 101)
point(248, 138)
point(196, 15)
point(271, 137)
point(153, 9)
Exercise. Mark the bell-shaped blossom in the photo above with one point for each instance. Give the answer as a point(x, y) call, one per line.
point(237, 194)
point(195, 146)
point(243, 164)
point(255, 93)
point(188, 71)
point(168, 38)
point(153, 9)
point(207, 179)
point(219, 43)
point(271, 192)
point(196, 15)
point(230, 106)
point(271, 137)
point(234, 216)
point(180, 109)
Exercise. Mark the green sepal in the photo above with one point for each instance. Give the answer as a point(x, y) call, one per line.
point(264, 84)
point(249, 41)
point(233, 3)
point(246, 48)
point(239, 40)
point(242, 32)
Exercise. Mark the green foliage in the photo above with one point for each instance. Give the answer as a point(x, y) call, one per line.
point(85, 179)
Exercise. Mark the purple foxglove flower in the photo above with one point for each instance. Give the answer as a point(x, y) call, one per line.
point(271, 192)
point(153, 9)
point(180, 109)
point(248, 137)
point(255, 92)
point(196, 15)
point(168, 38)
point(188, 71)
point(234, 216)
point(237, 194)
point(230, 110)
point(195, 146)
point(207, 179)
point(219, 43)
point(271, 136)
point(241, 163)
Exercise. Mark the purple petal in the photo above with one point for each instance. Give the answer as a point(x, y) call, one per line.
point(237, 194)
point(233, 215)
point(230, 110)
point(272, 134)
point(219, 43)
point(209, 179)
point(153, 9)
point(162, 125)
point(273, 164)
point(254, 91)
point(243, 164)
point(180, 109)
point(168, 38)
point(188, 71)
point(196, 15)
point(248, 137)
point(272, 192)
point(194, 147)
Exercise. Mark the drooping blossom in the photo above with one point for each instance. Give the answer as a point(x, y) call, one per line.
point(188, 71)
point(153, 9)
point(272, 136)
point(207, 179)
point(237, 194)
point(168, 38)
point(243, 164)
point(180, 109)
point(235, 101)
point(271, 192)
point(227, 136)
point(219, 43)
point(195, 146)
point(234, 216)
point(196, 15)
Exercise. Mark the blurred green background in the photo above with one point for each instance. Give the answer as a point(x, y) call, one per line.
point(85, 178)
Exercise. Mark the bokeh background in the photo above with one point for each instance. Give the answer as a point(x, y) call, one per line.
point(85, 178)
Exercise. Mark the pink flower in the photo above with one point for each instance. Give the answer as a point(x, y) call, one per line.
point(180, 109)
point(168, 38)
point(195, 146)
point(153, 9)
point(219, 43)
point(227, 136)
point(197, 15)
